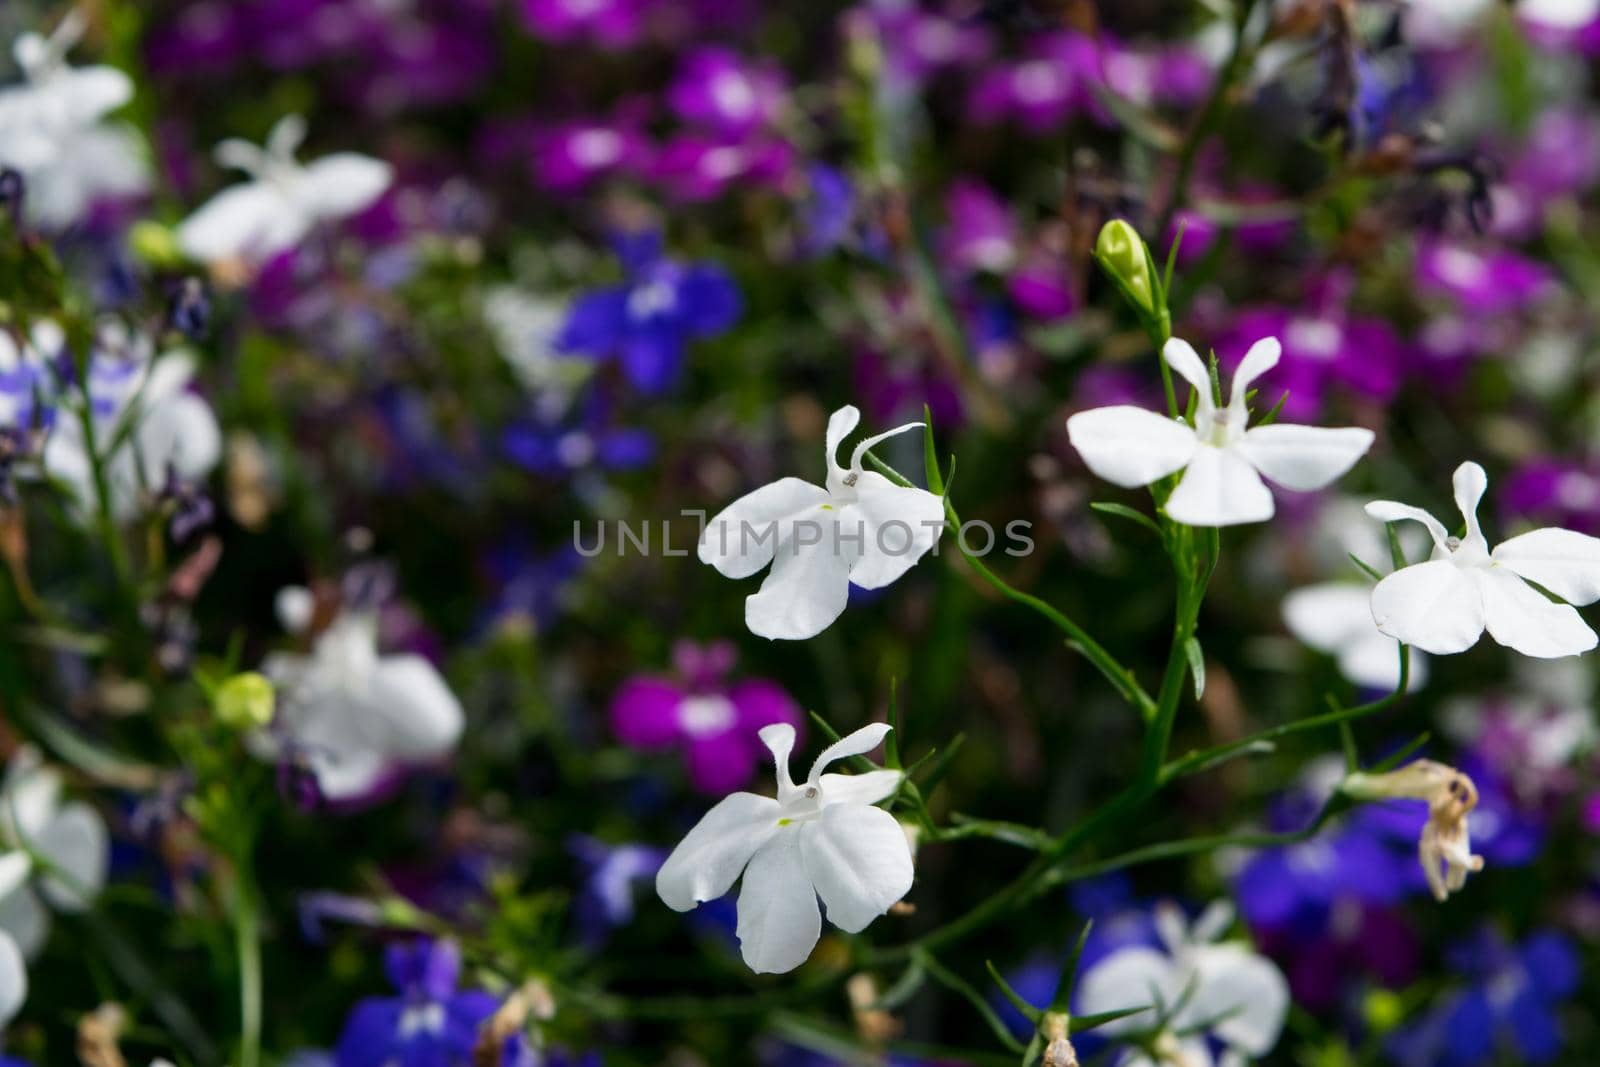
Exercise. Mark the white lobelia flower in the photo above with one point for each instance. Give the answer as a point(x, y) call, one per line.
point(52, 130)
point(1336, 618)
point(349, 714)
point(1198, 987)
point(861, 529)
point(822, 837)
point(13, 972)
point(1444, 605)
point(147, 424)
point(272, 212)
point(1221, 460)
point(52, 855)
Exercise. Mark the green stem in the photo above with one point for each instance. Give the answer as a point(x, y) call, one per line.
point(247, 946)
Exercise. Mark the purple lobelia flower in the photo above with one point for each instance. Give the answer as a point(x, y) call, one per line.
point(610, 874)
point(1328, 348)
point(608, 23)
point(1507, 1010)
point(1555, 492)
point(721, 92)
point(430, 1024)
point(571, 156)
point(647, 321)
point(1050, 84)
point(981, 235)
point(695, 167)
point(712, 722)
point(1484, 282)
point(574, 442)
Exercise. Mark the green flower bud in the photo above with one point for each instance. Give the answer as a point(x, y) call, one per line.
point(154, 243)
point(245, 701)
point(1384, 1010)
point(1121, 253)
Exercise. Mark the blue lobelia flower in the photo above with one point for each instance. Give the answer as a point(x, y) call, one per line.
point(647, 321)
point(1508, 1008)
point(610, 874)
point(430, 1024)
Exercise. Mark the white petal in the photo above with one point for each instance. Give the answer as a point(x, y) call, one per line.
point(859, 861)
point(16, 866)
point(1262, 357)
point(1433, 606)
point(897, 526)
point(867, 788)
point(24, 917)
point(1563, 561)
point(860, 451)
point(1181, 357)
point(415, 715)
point(1470, 483)
point(779, 739)
point(1394, 511)
point(252, 220)
point(343, 184)
point(1373, 660)
point(1137, 977)
point(807, 589)
point(286, 136)
point(1130, 446)
point(779, 921)
point(742, 538)
point(1519, 617)
point(1219, 488)
point(1331, 616)
point(1304, 457)
point(76, 843)
point(710, 857)
point(856, 743)
point(182, 431)
point(1245, 990)
point(13, 979)
point(840, 425)
point(347, 773)
point(31, 795)
point(295, 606)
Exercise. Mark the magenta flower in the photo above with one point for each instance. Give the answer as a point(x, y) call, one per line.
point(1487, 282)
point(981, 236)
point(570, 157)
point(608, 23)
point(720, 91)
point(694, 167)
point(917, 44)
point(1042, 91)
point(714, 723)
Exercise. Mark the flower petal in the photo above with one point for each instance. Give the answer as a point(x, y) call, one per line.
point(1433, 606)
point(807, 589)
point(77, 846)
point(1470, 483)
point(743, 537)
point(860, 451)
point(413, 711)
point(897, 526)
point(24, 916)
point(1331, 616)
point(856, 743)
point(1129, 446)
point(1563, 561)
point(15, 868)
point(840, 425)
point(1134, 977)
point(13, 979)
point(1219, 488)
point(1262, 357)
point(1181, 357)
point(1244, 990)
point(644, 713)
point(1373, 661)
point(710, 856)
point(779, 921)
point(1394, 511)
point(1304, 457)
point(1519, 617)
point(250, 219)
point(342, 184)
point(866, 788)
point(779, 739)
point(859, 861)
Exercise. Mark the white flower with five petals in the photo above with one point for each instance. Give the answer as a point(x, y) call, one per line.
point(1198, 986)
point(1444, 605)
point(860, 529)
point(1222, 461)
point(271, 213)
point(822, 837)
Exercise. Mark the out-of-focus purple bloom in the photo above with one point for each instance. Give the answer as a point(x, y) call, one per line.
point(210, 36)
point(697, 167)
point(1555, 492)
point(583, 440)
point(318, 908)
point(530, 588)
point(610, 874)
point(1326, 348)
point(570, 157)
point(647, 321)
point(712, 722)
point(1509, 1006)
point(917, 43)
point(982, 235)
point(1040, 92)
point(890, 387)
point(726, 94)
point(827, 211)
point(1560, 158)
point(608, 23)
point(1481, 283)
point(430, 1024)
point(1041, 285)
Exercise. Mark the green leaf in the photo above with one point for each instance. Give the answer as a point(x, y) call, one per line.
point(1032, 1013)
point(1395, 759)
point(1081, 1023)
point(954, 982)
point(930, 458)
point(1347, 737)
point(942, 766)
point(1197, 665)
point(1359, 562)
point(891, 744)
point(1397, 554)
point(1069, 972)
point(1272, 416)
point(1122, 511)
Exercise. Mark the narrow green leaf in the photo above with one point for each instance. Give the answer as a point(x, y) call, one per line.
point(1277, 409)
point(905, 987)
point(1347, 737)
point(942, 766)
point(1359, 562)
point(1397, 554)
point(1197, 665)
point(1172, 258)
point(1123, 511)
point(954, 982)
point(930, 458)
point(1081, 1023)
point(891, 744)
point(1031, 1013)
point(1069, 972)
point(1405, 752)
